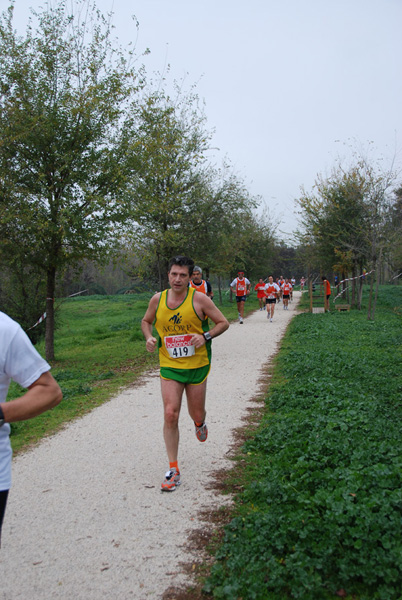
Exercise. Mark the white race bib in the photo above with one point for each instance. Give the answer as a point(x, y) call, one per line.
point(178, 346)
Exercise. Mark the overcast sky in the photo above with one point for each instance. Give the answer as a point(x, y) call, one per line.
point(288, 85)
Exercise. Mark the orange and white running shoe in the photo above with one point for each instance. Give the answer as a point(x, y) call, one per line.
point(172, 480)
point(201, 432)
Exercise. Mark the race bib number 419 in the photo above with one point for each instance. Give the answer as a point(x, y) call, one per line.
point(179, 346)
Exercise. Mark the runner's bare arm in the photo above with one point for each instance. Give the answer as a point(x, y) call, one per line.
point(205, 307)
point(147, 322)
point(42, 395)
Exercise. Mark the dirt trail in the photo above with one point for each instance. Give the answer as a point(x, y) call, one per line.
point(86, 519)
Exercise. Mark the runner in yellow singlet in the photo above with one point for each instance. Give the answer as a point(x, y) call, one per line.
point(180, 315)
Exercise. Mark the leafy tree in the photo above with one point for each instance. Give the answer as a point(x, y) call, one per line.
point(22, 290)
point(63, 93)
point(166, 142)
point(219, 217)
point(346, 216)
point(181, 203)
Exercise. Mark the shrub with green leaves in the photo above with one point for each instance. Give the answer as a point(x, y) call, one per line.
point(321, 513)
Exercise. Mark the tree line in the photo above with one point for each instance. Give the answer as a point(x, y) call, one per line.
point(99, 166)
point(352, 226)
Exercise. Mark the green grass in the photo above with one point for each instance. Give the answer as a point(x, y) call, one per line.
point(99, 349)
point(320, 514)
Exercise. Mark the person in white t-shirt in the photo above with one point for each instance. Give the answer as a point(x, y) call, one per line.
point(20, 362)
point(240, 286)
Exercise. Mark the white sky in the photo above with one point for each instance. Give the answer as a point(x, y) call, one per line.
point(289, 85)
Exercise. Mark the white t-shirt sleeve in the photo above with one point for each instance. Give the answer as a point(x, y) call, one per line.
point(23, 363)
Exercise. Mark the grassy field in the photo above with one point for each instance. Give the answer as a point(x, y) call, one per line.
point(99, 349)
point(320, 514)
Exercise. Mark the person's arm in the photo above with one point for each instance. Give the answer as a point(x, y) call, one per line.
point(209, 290)
point(205, 307)
point(42, 395)
point(147, 323)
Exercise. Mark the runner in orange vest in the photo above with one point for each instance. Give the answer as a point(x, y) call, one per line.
point(241, 287)
point(286, 289)
point(272, 291)
point(260, 288)
point(200, 284)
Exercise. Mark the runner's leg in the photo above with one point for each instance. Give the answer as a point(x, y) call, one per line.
point(172, 393)
point(196, 395)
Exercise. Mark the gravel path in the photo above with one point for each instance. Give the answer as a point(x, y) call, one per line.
point(86, 519)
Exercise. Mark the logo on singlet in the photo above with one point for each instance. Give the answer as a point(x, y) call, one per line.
point(176, 319)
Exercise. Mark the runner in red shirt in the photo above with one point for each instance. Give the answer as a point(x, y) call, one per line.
point(286, 289)
point(260, 288)
point(327, 292)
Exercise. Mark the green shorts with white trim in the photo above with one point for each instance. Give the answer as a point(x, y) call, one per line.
point(186, 376)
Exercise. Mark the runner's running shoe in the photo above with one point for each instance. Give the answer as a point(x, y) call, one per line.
point(172, 480)
point(201, 432)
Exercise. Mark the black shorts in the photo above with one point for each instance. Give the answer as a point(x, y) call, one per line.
point(285, 296)
point(241, 298)
point(271, 300)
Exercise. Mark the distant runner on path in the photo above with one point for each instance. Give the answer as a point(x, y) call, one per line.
point(272, 291)
point(260, 289)
point(241, 287)
point(181, 320)
point(200, 284)
point(287, 290)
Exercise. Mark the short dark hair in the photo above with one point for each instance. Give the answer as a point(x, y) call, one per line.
point(182, 261)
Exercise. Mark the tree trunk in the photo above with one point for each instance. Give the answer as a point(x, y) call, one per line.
point(220, 289)
point(49, 333)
